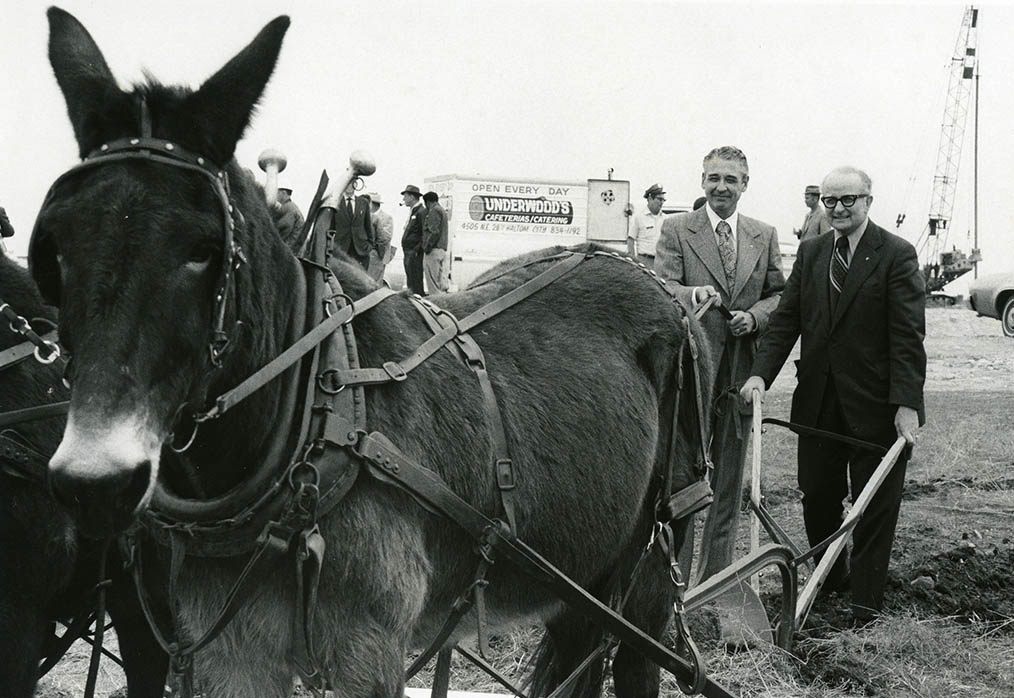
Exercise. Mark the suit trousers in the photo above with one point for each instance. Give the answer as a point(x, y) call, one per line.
point(433, 264)
point(825, 467)
point(364, 260)
point(730, 436)
point(414, 270)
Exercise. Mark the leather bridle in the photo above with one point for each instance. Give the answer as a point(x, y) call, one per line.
point(145, 148)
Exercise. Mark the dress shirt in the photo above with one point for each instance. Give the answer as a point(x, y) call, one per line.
point(854, 238)
point(731, 220)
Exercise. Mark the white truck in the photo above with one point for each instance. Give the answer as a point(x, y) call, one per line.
point(493, 218)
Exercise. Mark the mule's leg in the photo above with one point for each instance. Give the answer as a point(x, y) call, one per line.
point(568, 641)
point(242, 665)
point(367, 660)
point(145, 663)
point(649, 607)
point(22, 630)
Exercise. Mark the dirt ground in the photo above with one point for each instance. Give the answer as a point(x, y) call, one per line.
point(955, 545)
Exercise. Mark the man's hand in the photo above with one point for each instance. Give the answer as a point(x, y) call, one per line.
point(742, 323)
point(906, 421)
point(703, 293)
point(752, 383)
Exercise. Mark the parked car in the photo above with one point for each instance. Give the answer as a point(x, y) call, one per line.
point(993, 296)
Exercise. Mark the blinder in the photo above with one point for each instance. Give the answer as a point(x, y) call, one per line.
point(42, 252)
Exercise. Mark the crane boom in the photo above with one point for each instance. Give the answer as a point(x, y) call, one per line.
point(940, 265)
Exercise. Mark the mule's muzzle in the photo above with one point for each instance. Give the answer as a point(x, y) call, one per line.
point(102, 505)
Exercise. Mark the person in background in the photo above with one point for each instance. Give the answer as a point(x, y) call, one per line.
point(353, 226)
point(412, 237)
point(857, 300)
point(383, 231)
point(646, 226)
point(699, 202)
point(717, 252)
point(435, 243)
point(288, 219)
point(815, 223)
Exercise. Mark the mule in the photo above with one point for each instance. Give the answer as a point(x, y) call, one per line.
point(139, 257)
point(49, 571)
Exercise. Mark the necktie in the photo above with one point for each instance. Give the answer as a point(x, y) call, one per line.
point(348, 205)
point(839, 268)
point(727, 251)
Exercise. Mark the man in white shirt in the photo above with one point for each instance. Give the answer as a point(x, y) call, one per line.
point(646, 227)
point(715, 251)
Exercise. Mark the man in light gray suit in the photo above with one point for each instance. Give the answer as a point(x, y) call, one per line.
point(715, 251)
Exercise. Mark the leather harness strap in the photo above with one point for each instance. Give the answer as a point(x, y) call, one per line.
point(375, 376)
point(28, 414)
point(20, 352)
point(471, 354)
point(20, 460)
point(388, 464)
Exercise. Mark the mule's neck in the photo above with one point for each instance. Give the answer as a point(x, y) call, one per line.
point(254, 435)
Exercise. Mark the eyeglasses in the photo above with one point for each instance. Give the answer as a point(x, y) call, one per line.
point(660, 198)
point(848, 201)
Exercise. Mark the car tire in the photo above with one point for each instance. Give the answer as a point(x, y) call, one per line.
point(1007, 317)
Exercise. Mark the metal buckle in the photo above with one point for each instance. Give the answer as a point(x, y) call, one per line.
point(395, 371)
point(505, 473)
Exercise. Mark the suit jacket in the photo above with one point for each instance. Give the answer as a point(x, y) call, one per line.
point(354, 228)
point(872, 345)
point(687, 255)
point(383, 231)
point(412, 236)
point(289, 220)
point(435, 228)
point(815, 223)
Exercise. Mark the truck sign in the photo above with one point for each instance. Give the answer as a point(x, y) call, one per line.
point(493, 218)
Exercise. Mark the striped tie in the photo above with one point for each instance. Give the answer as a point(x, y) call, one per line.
point(839, 268)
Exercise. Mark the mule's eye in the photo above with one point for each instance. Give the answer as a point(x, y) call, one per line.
point(200, 256)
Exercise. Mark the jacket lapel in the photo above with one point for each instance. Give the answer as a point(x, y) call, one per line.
point(748, 251)
point(702, 241)
point(864, 261)
point(822, 277)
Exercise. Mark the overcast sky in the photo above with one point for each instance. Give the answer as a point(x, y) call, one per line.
point(560, 90)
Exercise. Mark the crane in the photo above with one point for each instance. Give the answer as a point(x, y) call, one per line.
point(940, 265)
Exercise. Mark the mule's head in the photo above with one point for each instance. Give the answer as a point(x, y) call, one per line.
point(133, 252)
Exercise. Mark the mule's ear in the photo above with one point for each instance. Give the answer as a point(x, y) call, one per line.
point(222, 107)
point(87, 84)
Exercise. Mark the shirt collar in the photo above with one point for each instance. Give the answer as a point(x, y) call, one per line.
point(715, 219)
point(854, 237)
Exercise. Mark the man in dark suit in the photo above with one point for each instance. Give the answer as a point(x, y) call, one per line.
point(353, 229)
point(857, 300)
point(412, 239)
point(716, 251)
